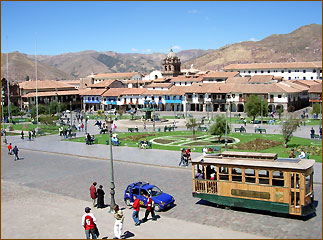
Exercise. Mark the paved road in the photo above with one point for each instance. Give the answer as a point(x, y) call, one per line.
point(69, 177)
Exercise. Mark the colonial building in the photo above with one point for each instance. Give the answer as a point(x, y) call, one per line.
point(289, 71)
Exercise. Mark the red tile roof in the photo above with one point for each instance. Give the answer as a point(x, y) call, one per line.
point(51, 93)
point(92, 92)
point(105, 83)
point(221, 74)
point(44, 84)
point(116, 75)
point(316, 88)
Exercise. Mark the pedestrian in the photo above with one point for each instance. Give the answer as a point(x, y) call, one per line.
point(183, 156)
point(79, 127)
point(89, 223)
point(302, 155)
point(82, 127)
point(145, 126)
point(188, 155)
point(150, 209)
point(118, 224)
point(245, 122)
point(136, 207)
point(292, 154)
point(100, 193)
point(114, 127)
point(29, 136)
point(320, 132)
point(312, 132)
point(10, 149)
point(34, 133)
point(93, 193)
point(15, 151)
point(22, 134)
point(204, 150)
point(60, 130)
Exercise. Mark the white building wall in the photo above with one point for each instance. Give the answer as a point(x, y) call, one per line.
point(288, 74)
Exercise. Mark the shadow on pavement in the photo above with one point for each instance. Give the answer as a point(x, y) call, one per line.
point(262, 212)
point(127, 234)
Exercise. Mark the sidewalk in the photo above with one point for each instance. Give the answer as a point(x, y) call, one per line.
point(60, 218)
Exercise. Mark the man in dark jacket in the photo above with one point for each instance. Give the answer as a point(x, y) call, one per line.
point(150, 209)
point(15, 151)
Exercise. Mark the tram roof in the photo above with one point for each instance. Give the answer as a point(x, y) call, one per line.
point(263, 160)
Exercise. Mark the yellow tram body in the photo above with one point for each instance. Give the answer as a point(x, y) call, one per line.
point(256, 181)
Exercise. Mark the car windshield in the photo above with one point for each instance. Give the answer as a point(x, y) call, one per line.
point(155, 191)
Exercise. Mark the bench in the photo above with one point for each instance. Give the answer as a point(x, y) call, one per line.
point(260, 130)
point(40, 132)
point(92, 142)
point(202, 128)
point(113, 143)
point(149, 145)
point(132, 129)
point(73, 134)
point(316, 136)
point(169, 129)
point(240, 129)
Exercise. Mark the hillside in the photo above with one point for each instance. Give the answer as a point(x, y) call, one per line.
point(303, 44)
point(20, 66)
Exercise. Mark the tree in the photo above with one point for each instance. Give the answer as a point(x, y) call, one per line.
point(192, 124)
point(316, 108)
point(14, 111)
point(253, 106)
point(218, 128)
point(280, 110)
point(288, 128)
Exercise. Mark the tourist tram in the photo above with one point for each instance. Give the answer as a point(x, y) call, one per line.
point(255, 181)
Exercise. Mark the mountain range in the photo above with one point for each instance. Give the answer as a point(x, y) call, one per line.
point(303, 44)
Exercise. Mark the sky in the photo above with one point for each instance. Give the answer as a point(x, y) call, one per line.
point(57, 27)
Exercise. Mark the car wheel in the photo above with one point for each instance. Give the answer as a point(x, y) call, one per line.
point(127, 201)
point(157, 208)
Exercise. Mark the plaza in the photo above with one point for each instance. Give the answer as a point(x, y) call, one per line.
point(53, 179)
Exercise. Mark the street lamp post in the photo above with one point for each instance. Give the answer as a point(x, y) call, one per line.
point(226, 127)
point(112, 186)
point(261, 100)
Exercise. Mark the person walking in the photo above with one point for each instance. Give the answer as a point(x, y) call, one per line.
point(93, 193)
point(10, 149)
point(100, 194)
point(312, 132)
point(29, 136)
point(89, 223)
point(22, 134)
point(118, 224)
point(136, 207)
point(34, 133)
point(15, 151)
point(188, 156)
point(150, 209)
point(183, 156)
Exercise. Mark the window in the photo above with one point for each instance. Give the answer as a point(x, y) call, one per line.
point(296, 70)
point(311, 78)
point(268, 71)
point(189, 96)
point(262, 71)
point(89, 98)
point(233, 95)
point(152, 98)
point(249, 71)
point(289, 78)
point(289, 71)
point(304, 71)
point(282, 71)
point(294, 179)
point(119, 99)
point(155, 191)
point(236, 175)
point(135, 191)
point(279, 96)
point(92, 98)
point(278, 178)
point(304, 78)
point(263, 176)
point(223, 173)
point(314, 70)
point(250, 175)
point(200, 96)
point(256, 71)
point(97, 98)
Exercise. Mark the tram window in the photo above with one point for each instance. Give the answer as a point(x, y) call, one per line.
point(278, 178)
point(250, 175)
point(293, 180)
point(263, 176)
point(224, 173)
point(308, 184)
point(236, 174)
point(297, 199)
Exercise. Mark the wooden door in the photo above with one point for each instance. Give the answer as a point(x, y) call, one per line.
point(295, 194)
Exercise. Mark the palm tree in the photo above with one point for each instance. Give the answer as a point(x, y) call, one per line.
point(192, 124)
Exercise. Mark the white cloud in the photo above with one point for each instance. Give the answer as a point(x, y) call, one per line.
point(134, 49)
point(253, 39)
point(193, 11)
point(176, 47)
point(148, 50)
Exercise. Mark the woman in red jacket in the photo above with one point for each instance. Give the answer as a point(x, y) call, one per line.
point(136, 207)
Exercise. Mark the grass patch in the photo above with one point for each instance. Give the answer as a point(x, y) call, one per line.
point(256, 145)
point(295, 142)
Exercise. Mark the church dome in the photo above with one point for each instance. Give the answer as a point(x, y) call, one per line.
point(171, 54)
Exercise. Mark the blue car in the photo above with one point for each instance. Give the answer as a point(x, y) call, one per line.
point(160, 199)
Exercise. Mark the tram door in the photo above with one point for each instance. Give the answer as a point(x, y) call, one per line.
point(295, 202)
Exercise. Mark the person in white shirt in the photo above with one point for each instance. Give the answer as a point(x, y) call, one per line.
point(89, 224)
point(204, 151)
point(302, 155)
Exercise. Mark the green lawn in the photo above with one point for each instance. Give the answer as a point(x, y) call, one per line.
point(28, 127)
point(132, 139)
